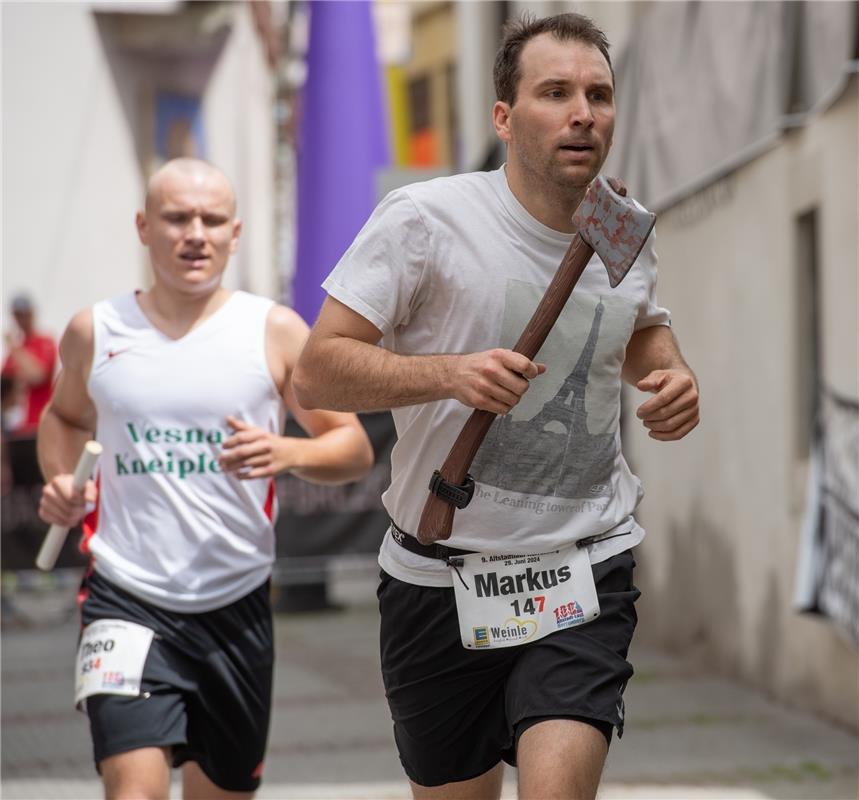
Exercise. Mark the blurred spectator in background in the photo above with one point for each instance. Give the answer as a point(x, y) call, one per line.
point(30, 358)
point(28, 371)
point(7, 400)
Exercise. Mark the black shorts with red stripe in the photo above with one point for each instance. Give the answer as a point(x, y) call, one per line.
point(206, 688)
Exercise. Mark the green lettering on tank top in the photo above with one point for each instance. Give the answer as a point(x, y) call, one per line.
point(199, 461)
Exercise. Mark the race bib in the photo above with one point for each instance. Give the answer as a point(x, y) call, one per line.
point(507, 600)
point(110, 660)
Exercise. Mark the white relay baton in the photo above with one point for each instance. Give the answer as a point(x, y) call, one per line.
point(56, 536)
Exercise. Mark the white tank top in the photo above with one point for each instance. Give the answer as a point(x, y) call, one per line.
point(170, 527)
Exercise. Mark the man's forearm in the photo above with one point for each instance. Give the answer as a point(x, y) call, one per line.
point(344, 374)
point(651, 349)
point(337, 456)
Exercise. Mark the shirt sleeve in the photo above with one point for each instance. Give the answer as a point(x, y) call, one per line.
point(381, 276)
point(649, 311)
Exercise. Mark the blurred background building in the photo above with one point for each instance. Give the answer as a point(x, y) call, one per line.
point(95, 97)
point(737, 122)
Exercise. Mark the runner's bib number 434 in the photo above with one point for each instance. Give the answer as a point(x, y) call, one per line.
point(111, 655)
point(507, 600)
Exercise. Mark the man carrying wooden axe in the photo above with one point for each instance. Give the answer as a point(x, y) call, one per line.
point(505, 626)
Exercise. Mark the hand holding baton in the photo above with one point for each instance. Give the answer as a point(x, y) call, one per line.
point(56, 536)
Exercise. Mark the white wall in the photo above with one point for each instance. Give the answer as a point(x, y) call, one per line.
point(70, 178)
point(477, 40)
point(240, 134)
point(724, 507)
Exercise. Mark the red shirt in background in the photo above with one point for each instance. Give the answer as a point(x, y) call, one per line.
point(36, 397)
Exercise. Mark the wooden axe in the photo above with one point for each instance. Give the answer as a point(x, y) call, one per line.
point(606, 222)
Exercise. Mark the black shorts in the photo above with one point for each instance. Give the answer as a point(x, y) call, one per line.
point(206, 688)
point(458, 712)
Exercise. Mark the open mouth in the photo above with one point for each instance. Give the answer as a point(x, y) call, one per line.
point(194, 258)
point(577, 148)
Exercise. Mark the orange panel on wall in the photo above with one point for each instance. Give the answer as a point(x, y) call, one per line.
point(423, 148)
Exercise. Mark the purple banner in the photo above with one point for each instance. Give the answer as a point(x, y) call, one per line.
point(342, 143)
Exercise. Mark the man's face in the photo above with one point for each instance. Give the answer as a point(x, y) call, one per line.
point(559, 128)
point(190, 230)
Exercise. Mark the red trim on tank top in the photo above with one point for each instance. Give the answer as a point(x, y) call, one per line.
point(268, 508)
point(83, 592)
point(90, 523)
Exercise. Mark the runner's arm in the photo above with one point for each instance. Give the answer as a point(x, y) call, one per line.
point(338, 450)
point(342, 368)
point(67, 422)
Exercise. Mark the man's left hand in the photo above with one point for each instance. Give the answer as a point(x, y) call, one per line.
point(252, 452)
point(673, 410)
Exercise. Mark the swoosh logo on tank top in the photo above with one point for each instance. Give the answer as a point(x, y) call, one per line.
point(114, 353)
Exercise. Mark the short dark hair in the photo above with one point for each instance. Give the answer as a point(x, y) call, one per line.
point(517, 33)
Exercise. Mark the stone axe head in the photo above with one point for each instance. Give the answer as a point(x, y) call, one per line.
point(616, 227)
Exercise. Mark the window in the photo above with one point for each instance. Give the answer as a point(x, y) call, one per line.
point(807, 330)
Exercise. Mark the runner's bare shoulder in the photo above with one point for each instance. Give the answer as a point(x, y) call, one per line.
point(285, 335)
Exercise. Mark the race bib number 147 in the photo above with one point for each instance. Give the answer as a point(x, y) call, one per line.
point(507, 600)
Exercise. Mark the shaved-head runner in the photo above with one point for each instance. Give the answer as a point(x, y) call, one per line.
point(185, 385)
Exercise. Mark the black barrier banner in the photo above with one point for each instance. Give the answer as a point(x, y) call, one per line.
point(322, 521)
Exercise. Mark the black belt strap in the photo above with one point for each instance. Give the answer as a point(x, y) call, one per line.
point(437, 551)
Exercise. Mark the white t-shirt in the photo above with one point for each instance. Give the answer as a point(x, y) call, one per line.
point(457, 265)
point(170, 526)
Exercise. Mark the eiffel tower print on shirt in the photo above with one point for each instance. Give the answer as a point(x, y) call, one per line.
point(554, 453)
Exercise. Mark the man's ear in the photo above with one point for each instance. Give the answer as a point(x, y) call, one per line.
point(142, 228)
point(501, 120)
point(237, 230)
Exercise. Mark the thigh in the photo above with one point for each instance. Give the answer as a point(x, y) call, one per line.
point(137, 773)
point(581, 673)
point(447, 703)
point(560, 759)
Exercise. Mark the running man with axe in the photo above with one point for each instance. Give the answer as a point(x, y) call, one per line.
point(506, 625)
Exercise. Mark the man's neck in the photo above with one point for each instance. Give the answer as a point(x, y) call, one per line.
point(176, 314)
point(550, 204)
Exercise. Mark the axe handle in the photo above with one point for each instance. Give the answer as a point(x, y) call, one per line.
point(437, 517)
